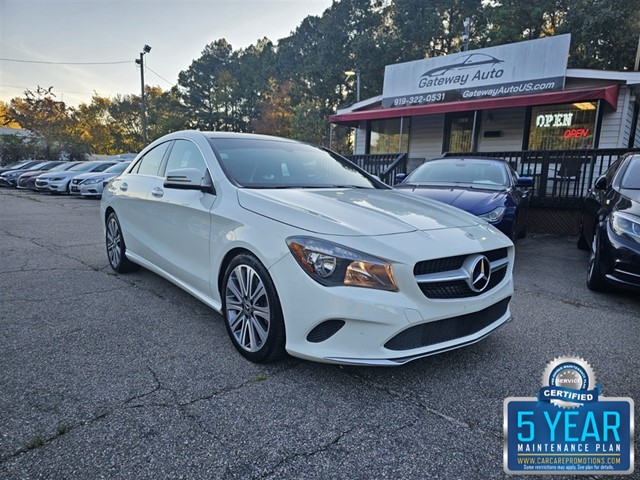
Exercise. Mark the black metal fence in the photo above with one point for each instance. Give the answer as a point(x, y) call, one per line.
point(385, 166)
point(561, 177)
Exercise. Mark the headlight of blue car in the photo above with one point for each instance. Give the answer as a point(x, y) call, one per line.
point(494, 216)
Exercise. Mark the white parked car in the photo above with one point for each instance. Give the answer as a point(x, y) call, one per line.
point(303, 252)
point(92, 184)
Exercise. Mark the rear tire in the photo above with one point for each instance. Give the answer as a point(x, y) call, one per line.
point(523, 232)
point(251, 310)
point(116, 249)
point(582, 243)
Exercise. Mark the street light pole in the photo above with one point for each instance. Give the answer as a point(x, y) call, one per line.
point(143, 113)
point(465, 36)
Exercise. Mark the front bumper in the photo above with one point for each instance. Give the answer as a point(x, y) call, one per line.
point(59, 186)
point(621, 260)
point(91, 190)
point(7, 182)
point(379, 327)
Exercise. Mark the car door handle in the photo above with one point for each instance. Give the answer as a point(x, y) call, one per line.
point(124, 187)
point(157, 192)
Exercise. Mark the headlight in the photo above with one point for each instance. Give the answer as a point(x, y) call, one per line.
point(332, 265)
point(55, 179)
point(494, 216)
point(626, 225)
point(13, 175)
point(91, 181)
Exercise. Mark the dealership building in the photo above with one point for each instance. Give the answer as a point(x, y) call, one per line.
point(510, 98)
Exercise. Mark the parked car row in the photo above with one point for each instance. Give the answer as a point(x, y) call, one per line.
point(59, 177)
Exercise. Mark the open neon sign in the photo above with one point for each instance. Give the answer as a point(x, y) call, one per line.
point(576, 133)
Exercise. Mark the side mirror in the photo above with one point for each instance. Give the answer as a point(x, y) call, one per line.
point(525, 182)
point(400, 178)
point(601, 183)
point(188, 179)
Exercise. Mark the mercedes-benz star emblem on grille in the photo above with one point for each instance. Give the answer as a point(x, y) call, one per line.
point(479, 273)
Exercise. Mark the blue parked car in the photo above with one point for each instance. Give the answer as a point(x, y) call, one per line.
point(486, 187)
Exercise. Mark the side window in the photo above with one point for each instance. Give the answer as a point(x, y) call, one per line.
point(150, 163)
point(186, 154)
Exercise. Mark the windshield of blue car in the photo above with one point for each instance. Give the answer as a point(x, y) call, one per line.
point(480, 173)
point(631, 178)
point(257, 163)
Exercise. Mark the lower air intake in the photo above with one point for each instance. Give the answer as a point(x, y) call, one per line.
point(324, 330)
point(432, 333)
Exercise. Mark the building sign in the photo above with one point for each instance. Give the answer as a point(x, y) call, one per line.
point(505, 70)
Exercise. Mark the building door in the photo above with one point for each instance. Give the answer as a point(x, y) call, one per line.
point(458, 133)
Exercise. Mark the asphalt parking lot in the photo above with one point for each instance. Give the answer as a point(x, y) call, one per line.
point(127, 376)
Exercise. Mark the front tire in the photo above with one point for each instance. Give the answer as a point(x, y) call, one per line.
point(116, 249)
point(251, 309)
point(595, 278)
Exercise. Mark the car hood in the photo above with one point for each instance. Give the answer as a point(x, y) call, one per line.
point(63, 174)
point(84, 176)
point(472, 200)
point(32, 173)
point(352, 211)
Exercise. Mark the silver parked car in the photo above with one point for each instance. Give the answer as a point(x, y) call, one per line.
point(92, 184)
point(59, 182)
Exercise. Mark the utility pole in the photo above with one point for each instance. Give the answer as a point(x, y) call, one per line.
point(143, 113)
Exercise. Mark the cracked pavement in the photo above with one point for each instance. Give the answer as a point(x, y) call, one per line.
point(127, 376)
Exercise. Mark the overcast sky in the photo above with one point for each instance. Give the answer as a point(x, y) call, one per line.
point(116, 31)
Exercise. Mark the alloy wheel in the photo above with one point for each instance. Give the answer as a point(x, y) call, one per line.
point(114, 241)
point(247, 308)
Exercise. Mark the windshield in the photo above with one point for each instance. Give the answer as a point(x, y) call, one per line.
point(61, 166)
point(631, 178)
point(83, 167)
point(117, 168)
point(258, 163)
point(483, 173)
point(38, 166)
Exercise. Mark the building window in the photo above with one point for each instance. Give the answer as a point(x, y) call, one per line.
point(389, 136)
point(458, 132)
point(563, 127)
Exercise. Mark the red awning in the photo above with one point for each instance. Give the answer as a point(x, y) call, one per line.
point(609, 94)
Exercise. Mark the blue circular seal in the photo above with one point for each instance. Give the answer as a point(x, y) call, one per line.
point(568, 382)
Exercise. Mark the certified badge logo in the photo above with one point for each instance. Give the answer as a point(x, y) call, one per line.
point(569, 427)
point(569, 382)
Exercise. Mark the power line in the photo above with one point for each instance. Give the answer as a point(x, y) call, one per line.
point(63, 63)
point(159, 76)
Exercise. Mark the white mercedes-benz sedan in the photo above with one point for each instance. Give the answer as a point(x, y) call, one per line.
point(303, 252)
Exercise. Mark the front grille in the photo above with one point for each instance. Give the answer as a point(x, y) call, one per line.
point(453, 263)
point(449, 278)
point(432, 333)
point(459, 288)
point(324, 330)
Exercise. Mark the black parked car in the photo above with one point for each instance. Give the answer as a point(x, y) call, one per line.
point(610, 227)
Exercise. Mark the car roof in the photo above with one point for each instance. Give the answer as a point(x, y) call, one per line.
point(219, 135)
